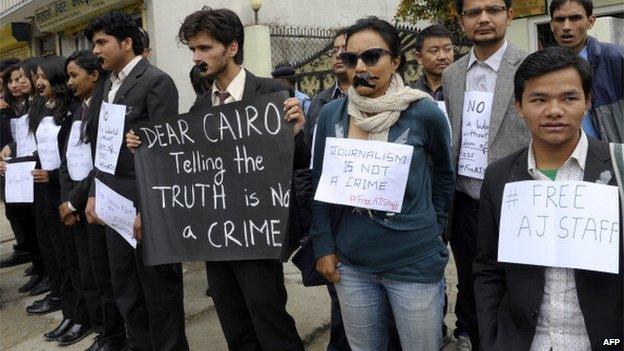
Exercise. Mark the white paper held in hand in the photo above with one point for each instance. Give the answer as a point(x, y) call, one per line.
point(364, 173)
point(19, 186)
point(110, 136)
point(116, 211)
point(566, 224)
point(475, 130)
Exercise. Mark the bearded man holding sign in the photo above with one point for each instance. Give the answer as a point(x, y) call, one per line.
point(548, 271)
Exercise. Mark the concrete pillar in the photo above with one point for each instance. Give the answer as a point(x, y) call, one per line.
point(257, 50)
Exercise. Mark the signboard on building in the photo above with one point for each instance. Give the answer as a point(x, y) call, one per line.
point(62, 14)
point(529, 8)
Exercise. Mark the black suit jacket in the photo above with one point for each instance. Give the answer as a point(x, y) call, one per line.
point(509, 296)
point(257, 86)
point(148, 94)
point(318, 102)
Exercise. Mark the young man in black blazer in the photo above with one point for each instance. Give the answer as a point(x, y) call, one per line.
point(150, 298)
point(530, 307)
point(249, 296)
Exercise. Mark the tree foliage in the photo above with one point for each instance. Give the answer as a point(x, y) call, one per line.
point(436, 11)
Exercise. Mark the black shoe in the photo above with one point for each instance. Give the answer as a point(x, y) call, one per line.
point(76, 333)
point(29, 271)
point(49, 304)
point(59, 330)
point(98, 341)
point(15, 259)
point(41, 288)
point(114, 344)
point(30, 284)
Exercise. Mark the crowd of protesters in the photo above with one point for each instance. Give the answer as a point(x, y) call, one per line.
point(553, 116)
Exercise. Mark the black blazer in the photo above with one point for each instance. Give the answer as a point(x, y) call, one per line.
point(257, 86)
point(149, 94)
point(509, 296)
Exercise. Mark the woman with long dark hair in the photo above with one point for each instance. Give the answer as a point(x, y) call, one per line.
point(385, 261)
point(52, 122)
point(87, 79)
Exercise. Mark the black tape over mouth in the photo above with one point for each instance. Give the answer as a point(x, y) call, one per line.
point(364, 80)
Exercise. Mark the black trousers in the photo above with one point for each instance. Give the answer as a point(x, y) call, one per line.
point(464, 246)
point(97, 286)
point(67, 280)
point(24, 226)
point(250, 299)
point(45, 242)
point(150, 298)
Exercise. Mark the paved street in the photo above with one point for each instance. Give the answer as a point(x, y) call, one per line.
point(308, 306)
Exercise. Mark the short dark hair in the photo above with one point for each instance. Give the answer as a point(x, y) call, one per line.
point(548, 60)
point(387, 32)
point(433, 31)
point(588, 5)
point(339, 32)
point(459, 4)
point(222, 24)
point(119, 25)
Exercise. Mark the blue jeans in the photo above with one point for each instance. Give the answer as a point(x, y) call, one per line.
point(367, 301)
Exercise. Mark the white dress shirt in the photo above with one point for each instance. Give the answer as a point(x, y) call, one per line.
point(560, 325)
point(118, 78)
point(480, 76)
point(236, 88)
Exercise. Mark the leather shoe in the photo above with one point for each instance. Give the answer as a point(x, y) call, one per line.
point(118, 343)
point(16, 258)
point(30, 284)
point(76, 333)
point(41, 288)
point(97, 343)
point(49, 304)
point(29, 271)
point(59, 330)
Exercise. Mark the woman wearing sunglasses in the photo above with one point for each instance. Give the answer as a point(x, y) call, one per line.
point(386, 265)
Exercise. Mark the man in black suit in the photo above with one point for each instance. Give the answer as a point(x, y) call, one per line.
point(337, 90)
point(150, 298)
point(532, 307)
point(249, 296)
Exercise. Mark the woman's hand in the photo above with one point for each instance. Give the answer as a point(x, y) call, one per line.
point(92, 217)
point(132, 140)
point(138, 231)
point(40, 176)
point(6, 152)
point(64, 210)
point(327, 266)
point(293, 110)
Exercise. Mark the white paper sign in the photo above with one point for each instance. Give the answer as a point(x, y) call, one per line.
point(26, 143)
point(19, 186)
point(110, 136)
point(473, 152)
point(560, 224)
point(363, 173)
point(79, 159)
point(48, 144)
point(116, 211)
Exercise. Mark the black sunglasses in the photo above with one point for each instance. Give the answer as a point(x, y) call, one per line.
point(370, 57)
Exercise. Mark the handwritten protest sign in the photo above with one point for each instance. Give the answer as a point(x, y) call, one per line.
point(19, 182)
point(560, 224)
point(109, 137)
point(473, 152)
point(26, 143)
point(116, 211)
point(48, 144)
point(78, 154)
point(215, 184)
point(364, 173)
